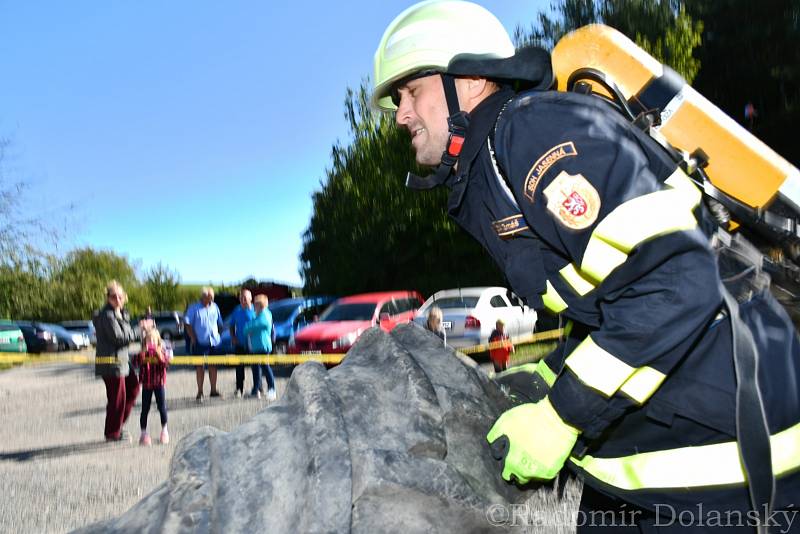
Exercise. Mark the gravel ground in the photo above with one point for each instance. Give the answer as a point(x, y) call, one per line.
point(59, 474)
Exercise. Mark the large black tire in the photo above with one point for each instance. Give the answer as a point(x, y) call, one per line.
point(391, 440)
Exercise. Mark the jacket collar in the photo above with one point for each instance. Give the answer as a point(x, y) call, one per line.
point(482, 120)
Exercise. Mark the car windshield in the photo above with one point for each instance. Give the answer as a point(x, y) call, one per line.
point(361, 311)
point(281, 314)
point(456, 302)
point(5, 327)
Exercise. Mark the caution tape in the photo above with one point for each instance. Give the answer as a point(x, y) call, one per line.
point(522, 340)
point(250, 359)
point(16, 358)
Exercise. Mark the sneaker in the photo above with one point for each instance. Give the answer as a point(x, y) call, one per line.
point(271, 395)
point(256, 394)
point(145, 440)
point(164, 438)
point(216, 394)
point(238, 394)
point(199, 397)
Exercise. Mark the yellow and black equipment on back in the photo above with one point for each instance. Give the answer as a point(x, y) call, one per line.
point(757, 187)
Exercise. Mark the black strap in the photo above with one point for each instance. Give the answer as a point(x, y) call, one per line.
point(659, 91)
point(457, 124)
point(752, 433)
point(422, 183)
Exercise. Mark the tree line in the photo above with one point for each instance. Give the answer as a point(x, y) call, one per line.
point(49, 288)
point(368, 232)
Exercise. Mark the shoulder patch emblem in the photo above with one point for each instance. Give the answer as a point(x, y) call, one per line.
point(573, 200)
point(544, 163)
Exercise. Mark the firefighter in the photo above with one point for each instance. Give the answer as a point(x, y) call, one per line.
point(655, 398)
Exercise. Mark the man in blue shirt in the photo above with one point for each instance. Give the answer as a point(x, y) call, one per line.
point(239, 318)
point(203, 323)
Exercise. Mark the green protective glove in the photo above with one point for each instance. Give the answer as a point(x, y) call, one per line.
point(532, 441)
point(527, 383)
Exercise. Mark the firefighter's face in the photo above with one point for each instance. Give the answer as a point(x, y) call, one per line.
point(422, 111)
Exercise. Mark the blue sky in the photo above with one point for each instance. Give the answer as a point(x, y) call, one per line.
point(191, 133)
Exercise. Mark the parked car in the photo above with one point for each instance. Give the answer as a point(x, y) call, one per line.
point(67, 340)
point(469, 315)
point(169, 324)
point(11, 338)
point(37, 338)
point(83, 327)
point(291, 315)
point(343, 322)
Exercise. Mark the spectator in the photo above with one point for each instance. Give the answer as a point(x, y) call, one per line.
point(203, 323)
point(114, 336)
point(500, 354)
point(242, 314)
point(259, 335)
point(434, 323)
point(153, 361)
point(186, 338)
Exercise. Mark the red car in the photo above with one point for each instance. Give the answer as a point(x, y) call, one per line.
point(345, 320)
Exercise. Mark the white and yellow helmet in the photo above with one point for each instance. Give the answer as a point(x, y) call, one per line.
point(428, 35)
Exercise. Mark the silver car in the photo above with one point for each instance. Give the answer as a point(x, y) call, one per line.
point(83, 327)
point(469, 314)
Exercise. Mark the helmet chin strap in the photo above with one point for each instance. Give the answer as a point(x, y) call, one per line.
point(457, 124)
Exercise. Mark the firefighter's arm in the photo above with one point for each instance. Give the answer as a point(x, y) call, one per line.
point(633, 241)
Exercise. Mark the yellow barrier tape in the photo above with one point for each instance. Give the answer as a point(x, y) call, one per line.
point(522, 340)
point(218, 359)
point(250, 359)
point(67, 357)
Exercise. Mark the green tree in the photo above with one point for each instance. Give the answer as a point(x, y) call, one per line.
point(161, 285)
point(25, 288)
point(81, 277)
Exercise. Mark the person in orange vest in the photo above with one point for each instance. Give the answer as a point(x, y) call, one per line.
point(500, 355)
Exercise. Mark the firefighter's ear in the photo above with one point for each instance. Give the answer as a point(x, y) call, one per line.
point(472, 90)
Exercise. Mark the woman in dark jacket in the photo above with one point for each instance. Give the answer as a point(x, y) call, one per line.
point(114, 336)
